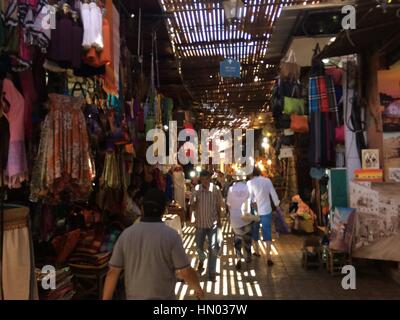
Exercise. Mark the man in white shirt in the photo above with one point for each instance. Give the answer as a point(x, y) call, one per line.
point(237, 200)
point(261, 189)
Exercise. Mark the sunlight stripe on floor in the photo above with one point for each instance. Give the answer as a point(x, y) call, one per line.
point(193, 262)
point(177, 287)
point(261, 245)
point(258, 289)
point(249, 289)
point(224, 283)
point(183, 292)
point(190, 244)
point(232, 282)
point(209, 286)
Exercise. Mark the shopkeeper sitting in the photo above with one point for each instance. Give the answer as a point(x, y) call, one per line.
point(150, 253)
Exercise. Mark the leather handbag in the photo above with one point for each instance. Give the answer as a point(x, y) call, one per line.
point(293, 106)
point(299, 124)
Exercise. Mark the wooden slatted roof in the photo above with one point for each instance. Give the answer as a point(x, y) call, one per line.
point(201, 37)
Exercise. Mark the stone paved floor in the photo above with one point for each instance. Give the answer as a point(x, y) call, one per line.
point(285, 280)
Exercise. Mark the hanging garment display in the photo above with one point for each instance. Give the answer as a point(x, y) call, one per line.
point(4, 142)
point(290, 175)
point(323, 112)
point(111, 177)
point(96, 57)
point(17, 265)
point(110, 195)
point(39, 33)
point(179, 187)
point(17, 169)
point(30, 97)
point(63, 164)
point(92, 24)
point(110, 81)
point(116, 38)
point(65, 45)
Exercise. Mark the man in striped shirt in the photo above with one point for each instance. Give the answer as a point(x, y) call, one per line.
point(206, 204)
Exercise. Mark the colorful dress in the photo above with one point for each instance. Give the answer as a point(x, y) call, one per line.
point(17, 169)
point(63, 166)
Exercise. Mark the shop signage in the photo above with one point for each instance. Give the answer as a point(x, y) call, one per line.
point(230, 68)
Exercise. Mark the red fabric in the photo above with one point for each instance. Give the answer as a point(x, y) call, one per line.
point(30, 97)
point(336, 75)
point(323, 98)
point(91, 241)
point(339, 135)
point(64, 245)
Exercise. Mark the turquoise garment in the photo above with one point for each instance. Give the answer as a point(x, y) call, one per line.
point(167, 106)
point(114, 102)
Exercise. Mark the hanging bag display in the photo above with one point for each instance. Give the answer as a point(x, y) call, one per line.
point(284, 122)
point(287, 140)
point(339, 135)
point(292, 105)
point(289, 69)
point(299, 124)
point(286, 152)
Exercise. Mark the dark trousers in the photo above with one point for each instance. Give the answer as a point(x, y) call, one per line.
point(243, 238)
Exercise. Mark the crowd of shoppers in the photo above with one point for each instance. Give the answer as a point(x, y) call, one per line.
point(152, 257)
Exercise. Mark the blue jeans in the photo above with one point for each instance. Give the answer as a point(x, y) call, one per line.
point(266, 221)
point(213, 247)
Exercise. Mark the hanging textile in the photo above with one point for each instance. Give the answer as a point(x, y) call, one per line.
point(92, 24)
point(110, 81)
point(323, 114)
point(96, 57)
point(4, 142)
point(179, 187)
point(30, 97)
point(63, 164)
point(116, 37)
point(167, 107)
point(17, 168)
point(17, 265)
point(111, 177)
point(290, 176)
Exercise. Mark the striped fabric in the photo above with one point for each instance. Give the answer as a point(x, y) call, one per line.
point(313, 94)
point(206, 206)
point(330, 88)
point(322, 96)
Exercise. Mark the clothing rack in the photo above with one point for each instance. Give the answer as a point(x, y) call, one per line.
point(2, 194)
